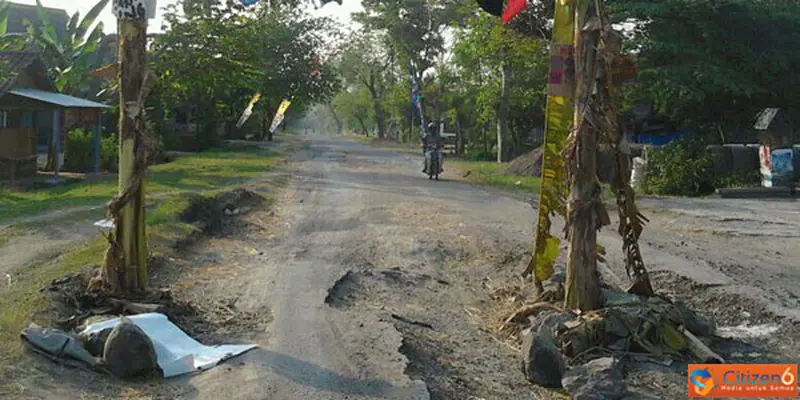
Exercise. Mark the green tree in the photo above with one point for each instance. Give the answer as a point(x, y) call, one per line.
point(713, 64)
point(357, 109)
point(491, 57)
point(414, 30)
point(70, 58)
point(8, 41)
point(219, 57)
point(367, 61)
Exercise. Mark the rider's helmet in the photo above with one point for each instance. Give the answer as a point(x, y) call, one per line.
point(431, 128)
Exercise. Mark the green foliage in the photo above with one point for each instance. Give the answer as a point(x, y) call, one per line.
point(738, 179)
point(480, 53)
point(414, 29)
point(356, 109)
point(72, 57)
point(219, 54)
point(9, 42)
point(714, 63)
point(366, 62)
point(79, 154)
point(109, 153)
point(478, 154)
point(679, 168)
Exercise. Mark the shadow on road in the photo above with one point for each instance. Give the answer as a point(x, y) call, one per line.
point(308, 374)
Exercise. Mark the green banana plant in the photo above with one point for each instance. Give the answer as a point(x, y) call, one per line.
point(71, 57)
point(9, 41)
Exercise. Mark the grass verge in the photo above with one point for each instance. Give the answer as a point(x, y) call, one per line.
point(492, 173)
point(198, 172)
point(206, 174)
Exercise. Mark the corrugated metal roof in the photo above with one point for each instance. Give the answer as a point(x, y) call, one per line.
point(57, 99)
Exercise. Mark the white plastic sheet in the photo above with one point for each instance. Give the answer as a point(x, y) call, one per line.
point(177, 353)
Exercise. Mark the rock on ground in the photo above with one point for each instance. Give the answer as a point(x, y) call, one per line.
point(129, 351)
point(542, 361)
point(599, 379)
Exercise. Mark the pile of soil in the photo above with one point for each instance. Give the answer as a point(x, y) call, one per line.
point(209, 213)
point(526, 165)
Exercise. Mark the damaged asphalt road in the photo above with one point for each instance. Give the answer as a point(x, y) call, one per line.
point(311, 350)
point(376, 278)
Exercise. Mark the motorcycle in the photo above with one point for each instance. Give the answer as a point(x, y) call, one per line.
point(433, 162)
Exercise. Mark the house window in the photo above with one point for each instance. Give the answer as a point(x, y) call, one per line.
point(3, 119)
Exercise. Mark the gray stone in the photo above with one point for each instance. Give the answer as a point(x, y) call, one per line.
point(599, 379)
point(542, 362)
point(128, 351)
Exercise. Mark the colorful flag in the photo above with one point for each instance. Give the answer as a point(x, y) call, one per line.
point(416, 100)
point(249, 110)
point(415, 95)
point(513, 8)
point(558, 121)
point(276, 122)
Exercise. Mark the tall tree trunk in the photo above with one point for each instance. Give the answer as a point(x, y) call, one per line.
point(485, 138)
point(264, 126)
point(411, 126)
point(380, 118)
point(335, 118)
point(364, 129)
point(584, 207)
point(502, 113)
point(459, 137)
point(125, 266)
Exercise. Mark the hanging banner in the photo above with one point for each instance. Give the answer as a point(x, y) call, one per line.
point(416, 101)
point(249, 110)
point(134, 9)
point(554, 188)
point(276, 122)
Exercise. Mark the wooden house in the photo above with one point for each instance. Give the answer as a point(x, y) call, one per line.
point(34, 117)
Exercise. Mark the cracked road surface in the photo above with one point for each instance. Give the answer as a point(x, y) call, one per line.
point(430, 251)
point(312, 351)
point(340, 214)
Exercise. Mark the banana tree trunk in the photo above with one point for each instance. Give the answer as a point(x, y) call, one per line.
point(584, 206)
point(125, 268)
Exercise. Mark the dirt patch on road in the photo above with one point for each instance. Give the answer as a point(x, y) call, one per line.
point(434, 301)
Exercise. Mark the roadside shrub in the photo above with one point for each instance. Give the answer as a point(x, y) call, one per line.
point(739, 179)
point(479, 155)
point(109, 153)
point(79, 154)
point(680, 168)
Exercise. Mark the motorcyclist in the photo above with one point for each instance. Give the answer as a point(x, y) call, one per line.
point(432, 138)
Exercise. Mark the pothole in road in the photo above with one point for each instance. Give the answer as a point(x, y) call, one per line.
point(455, 356)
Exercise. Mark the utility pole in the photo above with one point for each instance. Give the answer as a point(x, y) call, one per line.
point(125, 267)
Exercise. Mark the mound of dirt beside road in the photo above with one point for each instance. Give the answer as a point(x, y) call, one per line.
point(526, 165)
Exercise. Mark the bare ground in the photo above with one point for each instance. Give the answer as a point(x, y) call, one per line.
point(369, 281)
